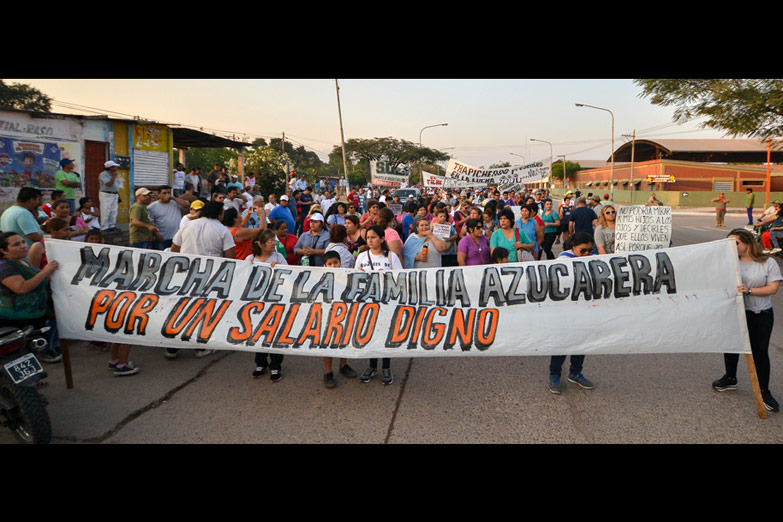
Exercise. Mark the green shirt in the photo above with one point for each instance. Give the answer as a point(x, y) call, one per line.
point(139, 234)
point(499, 240)
point(31, 305)
point(59, 176)
point(750, 200)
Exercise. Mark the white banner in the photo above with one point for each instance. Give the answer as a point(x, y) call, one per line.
point(463, 175)
point(432, 180)
point(642, 228)
point(661, 301)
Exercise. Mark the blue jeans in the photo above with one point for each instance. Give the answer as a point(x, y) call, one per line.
point(556, 364)
point(775, 236)
point(750, 215)
point(161, 245)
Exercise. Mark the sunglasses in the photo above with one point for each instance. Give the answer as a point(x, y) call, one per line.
point(610, 212)
point(584, 251)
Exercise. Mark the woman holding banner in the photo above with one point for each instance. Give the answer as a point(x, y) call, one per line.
point(581, 246)
point(760, 281)
point(378, 258)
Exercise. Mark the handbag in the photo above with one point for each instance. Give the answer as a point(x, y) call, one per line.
point(522, 254)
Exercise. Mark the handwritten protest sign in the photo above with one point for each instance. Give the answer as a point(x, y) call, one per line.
point(642, 228)
point(442, 231)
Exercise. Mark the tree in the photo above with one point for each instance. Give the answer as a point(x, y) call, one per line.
point(570, 169)
point(396, 152)
point(23, 97)
point(752, 108)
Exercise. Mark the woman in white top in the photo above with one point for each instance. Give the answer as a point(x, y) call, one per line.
point(264, 250)
point(265, 253)
point(378, 258)
point(760, 281)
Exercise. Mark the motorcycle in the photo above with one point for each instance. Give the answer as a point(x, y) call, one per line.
point(22, 407)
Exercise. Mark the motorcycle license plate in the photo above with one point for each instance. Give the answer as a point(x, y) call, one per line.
point(23, 368)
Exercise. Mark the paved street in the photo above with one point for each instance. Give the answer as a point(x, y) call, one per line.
point(638, 399)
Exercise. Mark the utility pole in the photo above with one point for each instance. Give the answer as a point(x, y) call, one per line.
point(633, 150)
point(342, 138)
point(285, 176)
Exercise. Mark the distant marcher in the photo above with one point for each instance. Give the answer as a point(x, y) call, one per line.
point(142, 231)
point(68, 181)
point(749, 201)
point(720, 209)
point(109, 195)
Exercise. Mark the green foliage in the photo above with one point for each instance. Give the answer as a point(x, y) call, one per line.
point(752, 108)
point(396, 152)
point(207, 157)
point(23, 97)
point(570, 168)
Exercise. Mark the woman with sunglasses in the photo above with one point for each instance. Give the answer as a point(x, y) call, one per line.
point(760, 281)
point(604, 232)
point(581, 246)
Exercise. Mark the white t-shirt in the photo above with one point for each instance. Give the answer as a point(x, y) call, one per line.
point(179, 180)
point(269, 207)
point(276, 257)
point(379, 263)
point(206, 237)
point(756, 275)
point(326, 203)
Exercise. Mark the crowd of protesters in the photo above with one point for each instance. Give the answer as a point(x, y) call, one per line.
point(370, 230)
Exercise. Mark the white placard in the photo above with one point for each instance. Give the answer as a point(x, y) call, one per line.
point(640, 228)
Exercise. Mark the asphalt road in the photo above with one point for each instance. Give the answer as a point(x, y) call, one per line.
point(641, 399)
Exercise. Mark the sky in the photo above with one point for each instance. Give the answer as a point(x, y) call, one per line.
point(489, 121)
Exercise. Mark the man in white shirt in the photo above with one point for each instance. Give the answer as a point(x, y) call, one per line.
point(205, 236)
point(178, 180)
point(327, 202)
point(195, 180)
point(271, 204)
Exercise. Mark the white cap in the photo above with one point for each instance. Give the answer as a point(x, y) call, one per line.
point(284, 197)
point(109, 164)
point(317, 217)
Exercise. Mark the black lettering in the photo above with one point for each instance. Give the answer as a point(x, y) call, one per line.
point(555, 271)
point(602, 278)
point(582, 282)
point(620, 277)
point(664, 274)
point(92, 265)
point(537, 284)
point(641, 268)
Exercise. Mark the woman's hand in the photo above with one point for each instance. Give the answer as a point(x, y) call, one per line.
point(742, 289)
point(50, 267)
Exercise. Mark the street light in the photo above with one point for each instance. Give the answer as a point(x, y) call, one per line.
point(421, 162)
point(550, 153)
point(519, 155)
point(611, 172)
point(565, 180)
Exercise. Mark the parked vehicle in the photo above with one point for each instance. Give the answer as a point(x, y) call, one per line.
point(22, 407)
point(407, 193)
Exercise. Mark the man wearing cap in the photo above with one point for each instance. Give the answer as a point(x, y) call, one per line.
point(301, 184)
point(281, 213)
point(141, 227)
point(68, 181)
point(313, 243)
point(109, 195)
point(235, 183)
point(193, 214)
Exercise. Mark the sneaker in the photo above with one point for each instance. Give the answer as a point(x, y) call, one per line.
point(329, 381)
point(775, 250)
point(581, 381)
point(724, 384)
point(128, 369)
point(204, 353)
point(769, 403)
point(347, 371)
point(276, 375)
point(171, 353)
point(259, 371)
point(387, 376)
point(558, 241)
point(554, 384)
point(50, 357)
point(113, 366)
point(368, 374)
